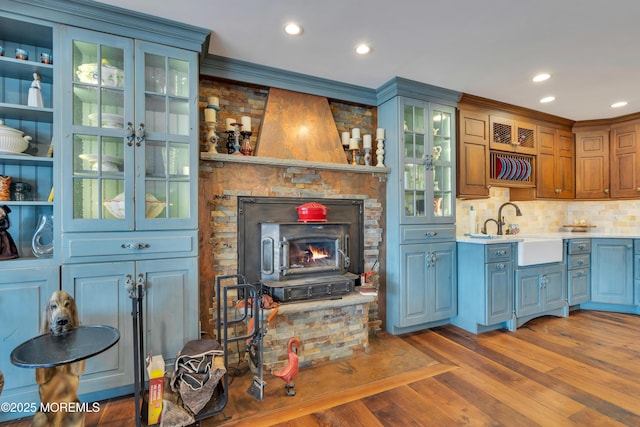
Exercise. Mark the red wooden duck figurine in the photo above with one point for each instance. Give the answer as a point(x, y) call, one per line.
point(289, 372)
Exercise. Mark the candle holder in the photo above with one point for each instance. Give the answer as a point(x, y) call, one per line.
point(233, 138)
point(246, 148)
point(367, 156)
point(354, 155)
point(380, 152)
point(210, 114)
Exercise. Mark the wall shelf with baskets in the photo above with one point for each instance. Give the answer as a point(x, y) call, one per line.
point(511, 170)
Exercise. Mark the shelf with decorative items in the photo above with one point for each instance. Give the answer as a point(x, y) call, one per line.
point(26, 132)
point(511, 170)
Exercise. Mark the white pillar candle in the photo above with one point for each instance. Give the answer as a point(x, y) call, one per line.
point(228, 123)
point(353, 144)
point(345, 139)
point(380, 133)
point(246, 123)
point(355, 133)
point(213, 100)
point(209, 115)
point(366, 141)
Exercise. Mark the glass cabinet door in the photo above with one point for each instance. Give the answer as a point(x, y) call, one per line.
point(414, 159)
point(168, 104)
point(133, 121)
point(428, 156)
point(97, 162)
point(443, 162)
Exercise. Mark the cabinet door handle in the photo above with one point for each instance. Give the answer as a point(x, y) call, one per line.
point(500, 266)
point(135, 245)
point(140, 135)
point(501, 252)
point(431, 233)
point(580, 262)
point(581, 247)
point(129, 134)
point(606, 191)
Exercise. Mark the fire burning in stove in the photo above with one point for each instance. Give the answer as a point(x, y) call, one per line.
point(317, 254)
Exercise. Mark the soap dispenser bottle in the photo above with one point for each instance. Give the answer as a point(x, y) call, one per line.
point(472, 220)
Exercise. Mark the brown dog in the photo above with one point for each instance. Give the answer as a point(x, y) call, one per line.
point(59, 385)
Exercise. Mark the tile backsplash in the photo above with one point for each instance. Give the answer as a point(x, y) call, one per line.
point(616, 216)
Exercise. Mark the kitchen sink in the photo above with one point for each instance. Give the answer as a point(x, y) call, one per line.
point(539, 250)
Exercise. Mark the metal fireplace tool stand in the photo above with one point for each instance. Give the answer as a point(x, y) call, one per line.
point(253, 339)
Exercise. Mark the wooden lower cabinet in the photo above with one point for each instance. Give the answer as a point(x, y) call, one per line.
point(170, 310)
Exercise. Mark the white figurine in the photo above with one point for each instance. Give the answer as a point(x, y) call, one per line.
point(35, 93)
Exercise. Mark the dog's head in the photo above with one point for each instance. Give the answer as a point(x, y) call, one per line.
point(60, 314)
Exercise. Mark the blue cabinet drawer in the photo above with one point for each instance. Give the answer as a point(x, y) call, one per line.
point(427, 233)
point(87, 247)
point(499, 252)
point(579, 246)
point(579, 261)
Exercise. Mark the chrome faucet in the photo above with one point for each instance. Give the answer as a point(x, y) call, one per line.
point(500, 221)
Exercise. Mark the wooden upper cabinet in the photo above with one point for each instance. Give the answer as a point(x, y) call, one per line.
point(512, 135)
point(625, 164)
point(473, 154)
point(592, 164)
point(555, 166)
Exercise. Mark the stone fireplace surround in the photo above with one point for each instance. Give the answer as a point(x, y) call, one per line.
point(223, 179)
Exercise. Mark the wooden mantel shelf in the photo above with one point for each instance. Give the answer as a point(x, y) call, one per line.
point(269, 161)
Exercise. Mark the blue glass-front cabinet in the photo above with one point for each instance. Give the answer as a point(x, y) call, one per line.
point(420, 149)
point(129, 181)
point(132, 123)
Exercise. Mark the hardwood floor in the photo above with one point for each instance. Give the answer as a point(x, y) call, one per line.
point(583, 370)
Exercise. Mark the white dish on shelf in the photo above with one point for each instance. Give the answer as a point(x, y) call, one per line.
point(111, 76)
point(153, 206)
point(112, 121)
point(93, 158)
point(13, 153)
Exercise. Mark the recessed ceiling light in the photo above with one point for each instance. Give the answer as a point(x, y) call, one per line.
point(363, 49)
point(618, 104)
point(547, 99)
point(541, 77)
point(293, 29)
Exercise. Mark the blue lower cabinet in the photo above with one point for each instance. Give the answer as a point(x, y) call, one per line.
point(485, 286)
point(24, 293)
point(170, 314)
point(426, 292)
point(540, 290)
point(612, 271)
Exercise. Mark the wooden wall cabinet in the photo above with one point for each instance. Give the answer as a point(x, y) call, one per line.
point(473, 154)
point(555, 166)
point(512, 135)
point(624, 161)
point(592, 163)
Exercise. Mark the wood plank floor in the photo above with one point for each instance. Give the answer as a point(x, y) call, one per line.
point(583, 370)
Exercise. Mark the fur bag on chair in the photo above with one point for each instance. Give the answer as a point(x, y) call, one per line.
point(8, 248)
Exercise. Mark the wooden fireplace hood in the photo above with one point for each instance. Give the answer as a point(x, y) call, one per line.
point(298, 126)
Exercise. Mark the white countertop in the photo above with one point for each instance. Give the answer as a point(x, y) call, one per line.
point(493, 239)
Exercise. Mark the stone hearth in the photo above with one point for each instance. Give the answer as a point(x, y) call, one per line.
point(224, 178)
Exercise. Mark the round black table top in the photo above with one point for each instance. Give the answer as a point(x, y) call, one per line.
point(48, 350)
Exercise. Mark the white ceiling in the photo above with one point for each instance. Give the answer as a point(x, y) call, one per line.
point(488, 48)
